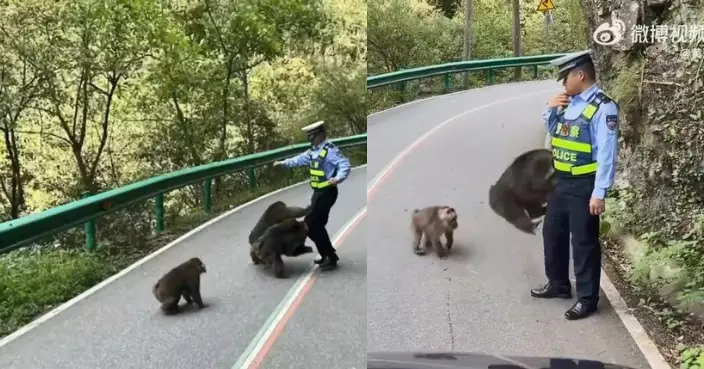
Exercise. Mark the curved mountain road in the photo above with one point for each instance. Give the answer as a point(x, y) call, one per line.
point(120, 326)
point(448, 150)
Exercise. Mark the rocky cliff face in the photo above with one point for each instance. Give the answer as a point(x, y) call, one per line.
point(655, 73)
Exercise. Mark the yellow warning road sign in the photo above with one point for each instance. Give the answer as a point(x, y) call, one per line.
point(546, 5)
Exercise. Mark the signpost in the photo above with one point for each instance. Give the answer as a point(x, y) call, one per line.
point(546, 6)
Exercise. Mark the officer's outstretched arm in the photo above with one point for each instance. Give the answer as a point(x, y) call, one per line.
point(298, 160)
point(606, 132)
point(342, 163)
point(550, 118)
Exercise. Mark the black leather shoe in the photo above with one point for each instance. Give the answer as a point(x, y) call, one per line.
point(550, 291)
point(580, 310)
point(320, 259)
point(328, 263)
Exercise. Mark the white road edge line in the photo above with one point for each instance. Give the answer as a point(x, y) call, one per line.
point(456, 93)
point(374, 182)
point(255, 346)
point(635, 329)
point(52, 313)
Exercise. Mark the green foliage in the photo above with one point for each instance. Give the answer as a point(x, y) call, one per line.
point(32, 282)
point(96, 95)
point(447, 7)
point(340, 98)
point(691, 357)
point(675, 262)
point(437, 37)
point(394, 44)
point(120, 91)
point(604, 226)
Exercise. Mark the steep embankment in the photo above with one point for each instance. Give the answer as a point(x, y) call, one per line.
point(655, 73)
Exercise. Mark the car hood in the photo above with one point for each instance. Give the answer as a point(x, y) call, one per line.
point(464, 360)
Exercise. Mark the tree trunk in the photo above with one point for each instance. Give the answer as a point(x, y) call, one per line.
point(15, 192)
point(467, 38)
point(247, 115)
point(517, 35)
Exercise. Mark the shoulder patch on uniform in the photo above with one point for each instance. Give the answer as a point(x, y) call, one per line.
point(612, 121)
point(604, 97)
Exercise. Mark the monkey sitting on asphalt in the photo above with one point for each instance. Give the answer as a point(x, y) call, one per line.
point(520, 194)
point(433, 222)
point(183, 280)
point(284, 238)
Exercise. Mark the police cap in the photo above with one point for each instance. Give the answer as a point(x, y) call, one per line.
point(571, 61)
point(314, 128)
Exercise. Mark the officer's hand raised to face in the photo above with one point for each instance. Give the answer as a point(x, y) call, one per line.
point(559, 100)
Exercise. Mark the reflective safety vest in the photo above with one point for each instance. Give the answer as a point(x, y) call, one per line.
point(572, 140)
point(317, 175)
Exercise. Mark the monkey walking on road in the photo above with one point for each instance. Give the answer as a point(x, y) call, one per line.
point(520, 194)
point(433, 222)
point(183, 280)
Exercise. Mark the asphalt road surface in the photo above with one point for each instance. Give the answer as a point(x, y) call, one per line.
point(120, 326)
point(478, 299)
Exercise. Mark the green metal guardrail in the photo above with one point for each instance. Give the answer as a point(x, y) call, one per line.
point(16, 233)
point(19, 232)
point(402, 76)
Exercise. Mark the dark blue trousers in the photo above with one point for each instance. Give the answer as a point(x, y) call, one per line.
point(568, 212)
point(316, 220)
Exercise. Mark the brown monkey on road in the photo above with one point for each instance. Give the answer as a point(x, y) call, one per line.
point(183, 280)
point(281, 239)
point(276, 213)
point(520, 194)
point(433, 222)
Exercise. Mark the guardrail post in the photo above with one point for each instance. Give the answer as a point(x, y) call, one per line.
point(159, 210)
point(490, 76)
point(535, 72)
point(402, 90)
point(252, 178)
point(208, 186)
point(448, 82)
point(89, 228)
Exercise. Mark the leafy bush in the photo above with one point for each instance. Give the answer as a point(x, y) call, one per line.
point(691, 357)
point(32, 282)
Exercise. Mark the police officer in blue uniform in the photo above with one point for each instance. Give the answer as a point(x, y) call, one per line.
point(583, 123)
point(328, 168)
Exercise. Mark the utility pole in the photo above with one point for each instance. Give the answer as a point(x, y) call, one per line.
point(467, 38)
